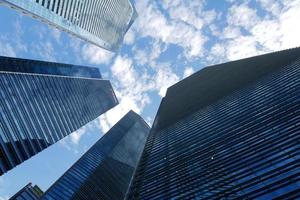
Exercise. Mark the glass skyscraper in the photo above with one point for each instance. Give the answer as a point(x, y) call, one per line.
point(105, 171)
point(29, 192)
point(42, 102)
point(101, 22)
point(229, 131)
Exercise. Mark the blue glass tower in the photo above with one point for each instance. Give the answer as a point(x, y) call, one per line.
point(105, 170)
point(42, 102)
point(229, 131)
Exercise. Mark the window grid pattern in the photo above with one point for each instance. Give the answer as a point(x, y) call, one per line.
point(245, 146)
point(101, 22)
point(38, 110)
point(102, 172)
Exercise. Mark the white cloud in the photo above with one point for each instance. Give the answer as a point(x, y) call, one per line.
point(188, 71)
point(186, 11)
point(231, 32)
point(164, 78)
point(271, 6)
point(141, 57)
point(277, 30)
point(124, 71)
point(242, 47)
point(114, 115)
point(71, 142)
point(96, 55)
point(289, 21)
point(210, 16)
point(217, 54)
point(218, 50)
point(6, 49)
point(130, 87)
point(150, 55)
point(215, 30)
point(268, 34)
point(242, 15)
point(183, 28)
point(152, 22)
point(282, 31)
point(75, 137)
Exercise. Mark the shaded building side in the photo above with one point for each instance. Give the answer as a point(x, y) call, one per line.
point(241, 142)
point(105, 170)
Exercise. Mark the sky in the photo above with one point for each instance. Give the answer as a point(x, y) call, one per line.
point(170, 40)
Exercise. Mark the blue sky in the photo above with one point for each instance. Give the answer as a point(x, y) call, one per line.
point(170, 40)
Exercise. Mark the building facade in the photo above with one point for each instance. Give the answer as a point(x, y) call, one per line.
point(105, 171)
point(101, 22)
point(29, 192)
point(230, 131)
point(42, 102)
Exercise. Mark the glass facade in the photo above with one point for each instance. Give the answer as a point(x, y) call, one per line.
point(29, 192)
point(106, 169)
point(39, 109)
point(243, 145)
point(101, 22)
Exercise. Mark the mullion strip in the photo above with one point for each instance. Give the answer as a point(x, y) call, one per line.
point(85, 14)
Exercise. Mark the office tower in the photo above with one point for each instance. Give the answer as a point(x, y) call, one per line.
point(101, 22)
point(105, 170)
point(229, 131)
point(42, 102)
point(29, 192)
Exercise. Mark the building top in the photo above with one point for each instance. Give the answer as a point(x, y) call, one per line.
point(107, 167)
point(42, 102)
point(28, 192)
point(213, 83)
point(103, 23)
point(8, 64)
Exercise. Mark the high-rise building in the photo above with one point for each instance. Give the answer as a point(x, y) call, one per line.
point(29, 192)
point(104, 172)
point(42, 102)
point(101, 22)
point(229, 131)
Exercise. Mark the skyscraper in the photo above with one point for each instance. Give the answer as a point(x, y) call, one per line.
point(29, 192)
point(106, 169)
point(229, 131)
point(101, 22)
point(42, 102)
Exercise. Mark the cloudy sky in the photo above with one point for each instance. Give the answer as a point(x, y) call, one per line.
point(170, 40)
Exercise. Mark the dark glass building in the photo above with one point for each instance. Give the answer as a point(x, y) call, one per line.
point(29, 192)
point(105, 171)
point(229, 131)
point(42, 102)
